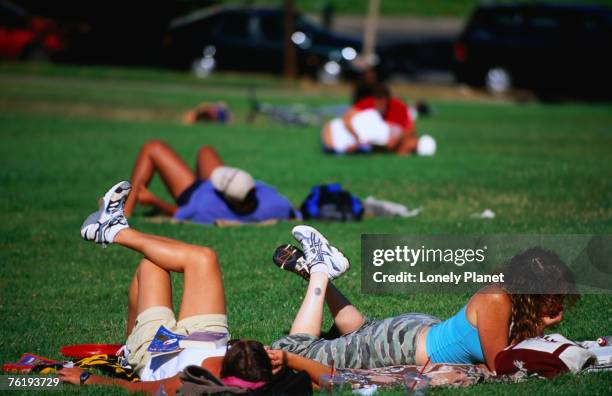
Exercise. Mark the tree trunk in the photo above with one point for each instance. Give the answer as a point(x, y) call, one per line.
point(369, 34)
point(289, 55)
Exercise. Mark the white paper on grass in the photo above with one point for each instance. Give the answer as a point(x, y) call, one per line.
point(485, 214)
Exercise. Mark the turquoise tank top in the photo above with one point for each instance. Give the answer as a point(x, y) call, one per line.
point(454, 341)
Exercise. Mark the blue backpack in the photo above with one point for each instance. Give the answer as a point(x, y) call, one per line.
point(331, 202)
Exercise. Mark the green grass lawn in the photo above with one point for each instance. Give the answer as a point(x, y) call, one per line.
point(67, 134)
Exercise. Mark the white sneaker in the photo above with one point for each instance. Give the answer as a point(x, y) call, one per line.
point(318, 250)
point(103, 225)
point(114, 199)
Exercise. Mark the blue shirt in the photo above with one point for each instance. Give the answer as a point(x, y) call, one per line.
point(454, 341)
point(205, 206)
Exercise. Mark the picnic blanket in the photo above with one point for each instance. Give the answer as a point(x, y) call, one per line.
point(450, 375)
point(454, 375)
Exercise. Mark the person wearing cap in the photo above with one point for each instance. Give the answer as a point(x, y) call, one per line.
point(213, 193)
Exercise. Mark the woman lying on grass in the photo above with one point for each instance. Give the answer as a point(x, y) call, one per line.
point(245, 364)
point(209, 194)
point(490, 321)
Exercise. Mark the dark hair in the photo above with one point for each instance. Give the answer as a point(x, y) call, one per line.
point(251, 196)
point(538, 283)
point(248, 205)
point(381, 91)
point(538, 271)
point(247, 360)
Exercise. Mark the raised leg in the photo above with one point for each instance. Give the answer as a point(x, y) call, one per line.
point(324, 262)
point(150, 287)
point(132, 304)
point(156, 156)
point(208, 160)
point(146, 197)
point(347, 318)
point(309, 317)
point(203, 291)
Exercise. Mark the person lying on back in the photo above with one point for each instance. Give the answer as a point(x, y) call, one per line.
point(213, 193)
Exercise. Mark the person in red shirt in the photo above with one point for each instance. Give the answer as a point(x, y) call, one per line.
point(347, 137)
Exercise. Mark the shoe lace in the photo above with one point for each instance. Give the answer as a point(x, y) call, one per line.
point(316, 249)
point(115, 206)
point(116, 218)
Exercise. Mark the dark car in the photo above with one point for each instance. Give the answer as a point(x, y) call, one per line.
point(111, 32)
point(251, 39)
point(416, 56)
point(558, 49)
point(25, 36)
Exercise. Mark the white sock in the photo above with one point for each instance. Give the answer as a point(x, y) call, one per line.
point(318, 267)
point(112, 232)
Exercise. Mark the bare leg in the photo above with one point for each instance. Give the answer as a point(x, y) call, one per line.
point(132, 304)
point(151, 287)
point(156, 156)
point(309, 317)
point(203, 291)
point(208, 160)
point(347, 318)
point(146, 197)
point(154, 286)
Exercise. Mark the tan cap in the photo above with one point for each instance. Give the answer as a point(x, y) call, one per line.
point(233, 183)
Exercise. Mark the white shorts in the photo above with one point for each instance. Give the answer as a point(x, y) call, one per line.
point(368, 125)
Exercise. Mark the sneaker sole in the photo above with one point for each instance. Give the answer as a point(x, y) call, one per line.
point(115, 197)
point(288, 257)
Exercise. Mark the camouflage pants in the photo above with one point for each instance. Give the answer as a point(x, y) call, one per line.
point(377, 343)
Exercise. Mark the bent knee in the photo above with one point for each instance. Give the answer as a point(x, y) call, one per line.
point(143, 266)
point(207, 150)
point(206, 256)
point(209, 253)
point(154, 145)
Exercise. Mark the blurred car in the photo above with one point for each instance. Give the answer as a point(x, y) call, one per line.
point(415, 56)
point(25, 36)
point(111, 32)
point(548, 48)
point(252, 39)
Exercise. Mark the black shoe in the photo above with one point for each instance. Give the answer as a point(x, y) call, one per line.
point(290, 258)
